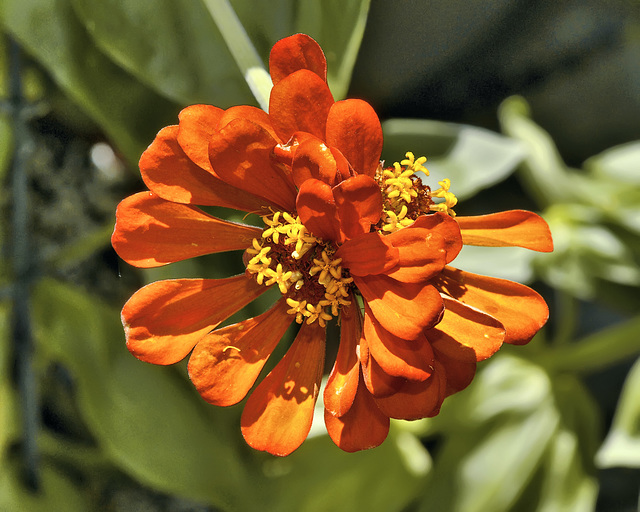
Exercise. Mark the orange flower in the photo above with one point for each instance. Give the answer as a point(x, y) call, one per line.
point(343, 238)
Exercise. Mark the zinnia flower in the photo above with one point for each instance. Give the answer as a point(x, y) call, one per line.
point(344, 239)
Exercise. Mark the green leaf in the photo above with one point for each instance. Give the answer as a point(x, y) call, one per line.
point(472, 158)
point(172, 46)
point(8, 420)
point(619, 164)
point(622, 445)
point(50, 32)
point(148, 421)
point(513, 263)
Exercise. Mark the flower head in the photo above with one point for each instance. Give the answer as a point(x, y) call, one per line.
point(344, 239)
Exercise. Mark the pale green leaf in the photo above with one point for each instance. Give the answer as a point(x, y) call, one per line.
point(620, 164)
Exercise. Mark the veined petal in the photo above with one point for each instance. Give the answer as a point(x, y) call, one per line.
point(368, 254)
point(412, 360)
point(364, 426)
point(164, 320)
point(517, 307)
point(172, 175)
point(446, 227)
point(253, 114)
point(300, 102)
point(240, 153)
point(225, 364)
point(421, 254)
point(416, 400)
point(278, 414)
point(403, 309)
point(354, 128)
point(295, 52)
point(359, 204)
point(197, 124)
point(313, 159)
point(506, 229)
point(466, 333)
point(459, 374)
point(317, 210)
point(151, 232)
point(343, 381)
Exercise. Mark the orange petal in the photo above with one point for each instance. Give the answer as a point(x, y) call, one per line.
point(296, 52)
point(379, 383)
point(354, 128)
point(368, 254)
point(411, 360)
point(506, 229)
point(416, 400)
point(164, 320)
point(446, 227)
point(466, 333)
point(278, 414)
point(151, 232)
point(359, 204)
point(343, 381)
point(364, 426)
point(317, 210)
point(403, 309)
point(459, 374)
point(197, 124)
point(241, 156)
point(421, 254)
point(253, 114)
point(225, 364)
point(517, 307)
point(300, 102)
point(313, 159)
point(172, 175)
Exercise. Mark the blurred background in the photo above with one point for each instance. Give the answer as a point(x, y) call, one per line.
point(532, 105)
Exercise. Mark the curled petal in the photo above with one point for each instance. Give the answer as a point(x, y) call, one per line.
point(411, 360)
point(300, 102)
point(197, 124)
point(459, 374)
point(172, 175)
point(421, 254)
point(379, 383)
point(253, 114)
point(517, 307)
point(241, 156)
point(364, 426)
point(278, 414)
point(466, 333)
point(151, 232)
point(343, 381)
point(313, 159)
point(368, 254)
point(445, 226)
point(359, 204)
point(354, 128)
point(295, 52)
point(225, 364)
point(518, 228)
point(164, 320)
point(415, 400)
point(403, 309)
point(317, 210)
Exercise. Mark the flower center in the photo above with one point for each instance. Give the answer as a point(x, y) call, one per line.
point(405, 197)
point(303, 267)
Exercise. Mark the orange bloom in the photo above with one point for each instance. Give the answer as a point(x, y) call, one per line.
point(344, 239)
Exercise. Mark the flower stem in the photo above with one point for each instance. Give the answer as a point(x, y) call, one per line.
point(242, 49)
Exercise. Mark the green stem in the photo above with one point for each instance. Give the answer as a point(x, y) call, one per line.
point(242, 49)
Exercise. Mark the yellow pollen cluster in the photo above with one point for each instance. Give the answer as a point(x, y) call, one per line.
point(450, 200)
point(302, 267)
point(399, 190)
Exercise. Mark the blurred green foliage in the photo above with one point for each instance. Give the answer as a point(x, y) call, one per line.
point(527, 435)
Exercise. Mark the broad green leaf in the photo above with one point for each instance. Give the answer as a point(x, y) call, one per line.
point(619, 164)
point(513, 263)
point(148, 421)
point(50, 32)
point(472, 158)
point(320, 477)
point(498, 433)
point(6, 145)
point(57, 492)
point(8, 420)
point(622, 445)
